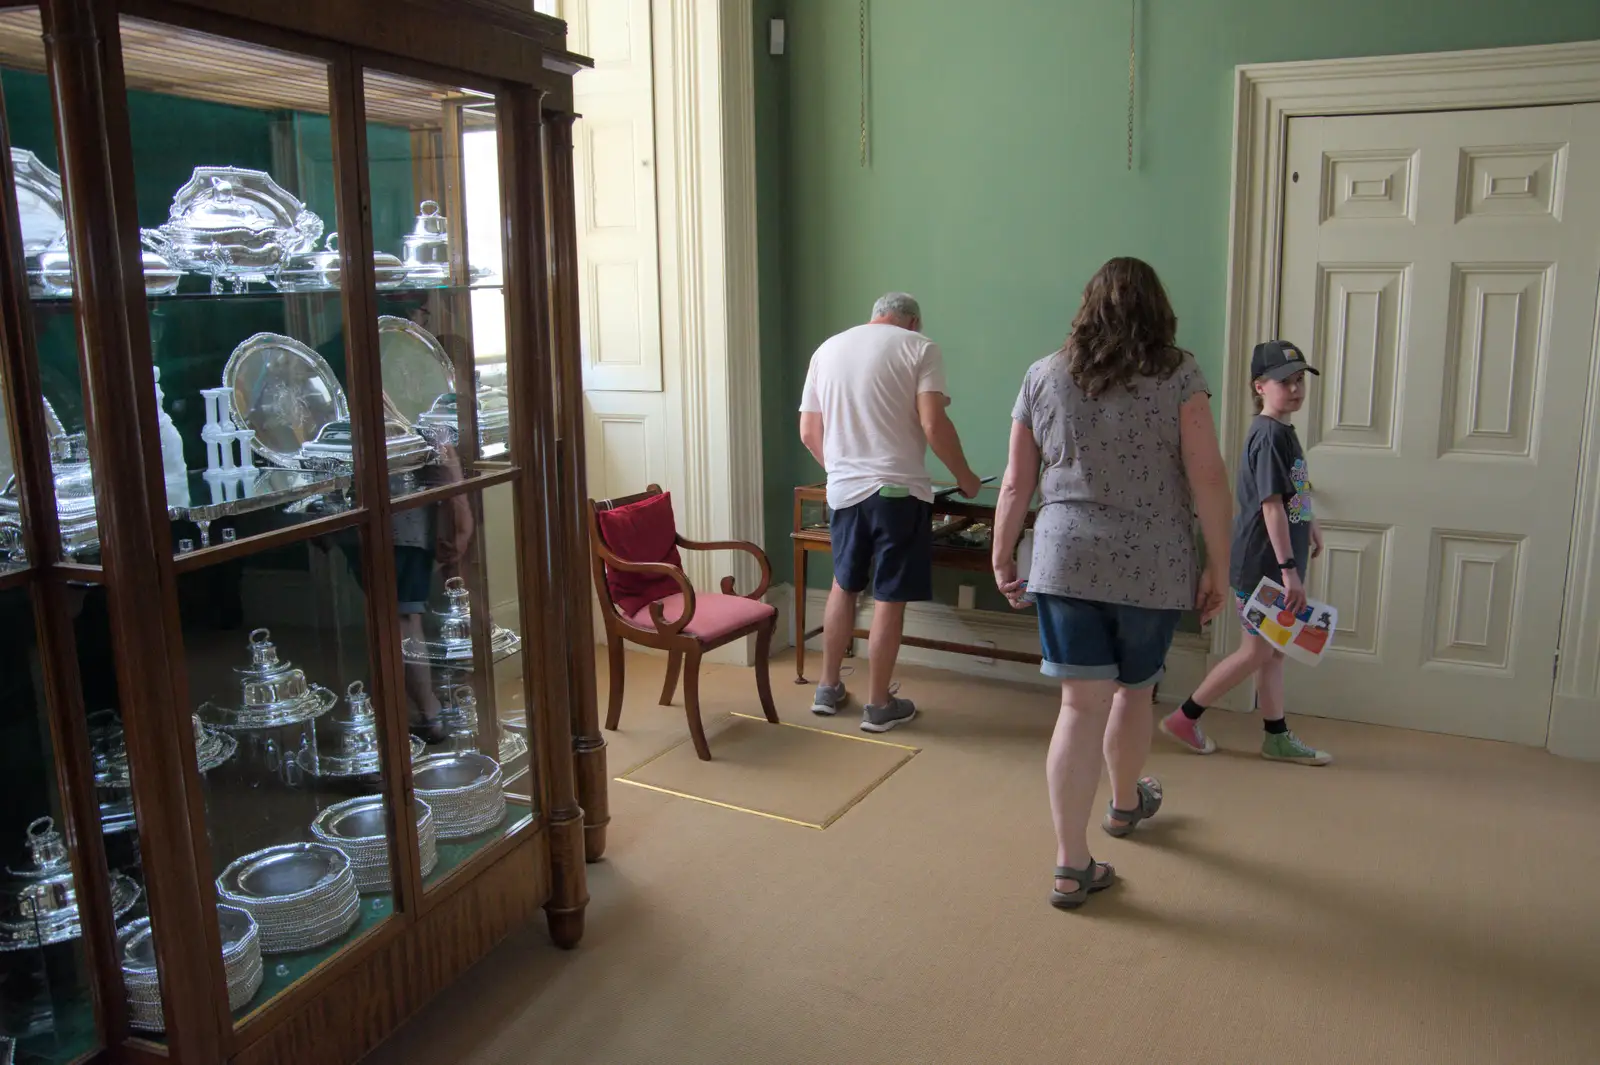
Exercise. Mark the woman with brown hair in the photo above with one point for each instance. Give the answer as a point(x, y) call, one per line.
point(1115, 432)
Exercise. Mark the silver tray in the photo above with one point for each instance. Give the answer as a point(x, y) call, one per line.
point(416, 368)
point(255, 489)
point(284, 391)
point(40, 208)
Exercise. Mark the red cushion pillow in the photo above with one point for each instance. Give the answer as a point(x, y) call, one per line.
point(641, 532)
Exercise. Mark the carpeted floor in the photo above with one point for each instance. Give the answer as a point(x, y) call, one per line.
point(1423, 900)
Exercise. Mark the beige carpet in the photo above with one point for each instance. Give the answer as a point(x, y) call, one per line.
point(1425, 900)
point(796, 773)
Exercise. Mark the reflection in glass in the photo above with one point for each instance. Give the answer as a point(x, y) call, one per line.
point(47, 262)
point(45, 1009)
point(434, 167)
point(276, 646)
point(456, 564)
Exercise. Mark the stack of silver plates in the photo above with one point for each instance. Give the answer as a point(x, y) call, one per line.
point(464, 789)
point(241, 960)
point(356, 827)
point(302, 895)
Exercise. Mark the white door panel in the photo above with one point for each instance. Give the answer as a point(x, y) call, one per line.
point(1441, 270)
point(614, 171)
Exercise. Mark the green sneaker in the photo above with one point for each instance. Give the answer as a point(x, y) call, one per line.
point(1286, 747)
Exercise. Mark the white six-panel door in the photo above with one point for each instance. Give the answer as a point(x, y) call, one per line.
point(1441, 269)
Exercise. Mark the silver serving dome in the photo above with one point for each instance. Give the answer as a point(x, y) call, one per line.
point(39, 906)
point(271, 692)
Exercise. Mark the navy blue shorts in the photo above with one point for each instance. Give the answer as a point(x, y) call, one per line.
point(889, 540)
point(1085, 640)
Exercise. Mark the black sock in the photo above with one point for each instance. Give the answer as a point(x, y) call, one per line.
point(1192, 710)
point(1277, 727)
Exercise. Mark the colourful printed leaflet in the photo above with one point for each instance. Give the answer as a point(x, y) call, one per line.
point(1304, 637)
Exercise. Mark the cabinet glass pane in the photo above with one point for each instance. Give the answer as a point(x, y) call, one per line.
point(434, 169)
point(47, 259)
point(464, 666)
point(46, 1013)
point(279, 671)
point(90, 617)
point(237, 204)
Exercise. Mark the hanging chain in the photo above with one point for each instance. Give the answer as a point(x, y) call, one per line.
point(1133, 8)
point(863, 82)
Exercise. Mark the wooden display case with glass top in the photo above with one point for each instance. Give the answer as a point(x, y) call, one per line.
point(290, 700)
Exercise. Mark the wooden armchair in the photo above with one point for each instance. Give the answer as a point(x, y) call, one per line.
point(650, 601)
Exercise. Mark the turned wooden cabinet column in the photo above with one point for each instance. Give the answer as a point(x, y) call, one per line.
point(525, 173)
point(588, 744)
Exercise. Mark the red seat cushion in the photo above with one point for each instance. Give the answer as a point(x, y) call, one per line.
point(715, 615)
point(640, 532)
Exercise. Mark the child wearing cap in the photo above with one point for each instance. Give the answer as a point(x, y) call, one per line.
point(1274, 535)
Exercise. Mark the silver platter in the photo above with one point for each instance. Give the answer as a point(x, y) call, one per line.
point(39, 202)
point(285, 392)
point(416, 368)
point(358, 828)
point(464, 789)
point(316, 702)
point(302, 895)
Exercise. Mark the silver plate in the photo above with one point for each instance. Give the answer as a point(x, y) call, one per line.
point(445, 773)
point(282, 874)
point(285, 392)
point(39, 204)
point(416, 368)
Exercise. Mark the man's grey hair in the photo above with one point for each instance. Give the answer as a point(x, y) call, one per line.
point(899, 305)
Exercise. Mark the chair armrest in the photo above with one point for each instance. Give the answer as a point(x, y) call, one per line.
point(736, 545)
point(657, 615)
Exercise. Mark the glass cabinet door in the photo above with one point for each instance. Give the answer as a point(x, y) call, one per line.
point(433, 168)
point(233, 164)
point(48, 909)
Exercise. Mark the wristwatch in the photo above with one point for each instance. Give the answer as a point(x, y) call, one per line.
point(1287, 563)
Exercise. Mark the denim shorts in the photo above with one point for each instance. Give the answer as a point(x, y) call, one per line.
point(1086, 640)
point(887, 540)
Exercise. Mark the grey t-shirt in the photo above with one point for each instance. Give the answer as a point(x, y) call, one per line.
point(1273, 465)
point(1116, 518)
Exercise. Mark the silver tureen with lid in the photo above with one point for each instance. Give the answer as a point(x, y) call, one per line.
point(317, 271)
point(39, 906)
point(234, 224)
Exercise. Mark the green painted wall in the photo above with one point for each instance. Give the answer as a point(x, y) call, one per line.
point(998, 180)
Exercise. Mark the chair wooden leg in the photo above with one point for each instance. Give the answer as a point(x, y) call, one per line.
point(674, 665)
point(614, 709)
point(691, 706)
point(763, 682)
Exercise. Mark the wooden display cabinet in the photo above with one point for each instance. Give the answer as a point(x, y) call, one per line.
point(248, 687)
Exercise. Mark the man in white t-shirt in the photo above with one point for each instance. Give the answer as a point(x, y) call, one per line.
point(874, 402)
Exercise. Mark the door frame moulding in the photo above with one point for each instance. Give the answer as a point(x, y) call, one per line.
point(710, 325)
point(1266, 97)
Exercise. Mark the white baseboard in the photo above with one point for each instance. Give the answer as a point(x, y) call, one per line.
point(1575, 728)
point(1186, 664)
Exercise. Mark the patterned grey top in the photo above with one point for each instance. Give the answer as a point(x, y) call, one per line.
point(1116, 518)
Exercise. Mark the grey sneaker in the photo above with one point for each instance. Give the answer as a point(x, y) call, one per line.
point(828, 700)
point(884, 718)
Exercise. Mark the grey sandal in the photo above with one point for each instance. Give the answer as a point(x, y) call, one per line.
point(1088, 884)
point(1149, 803)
